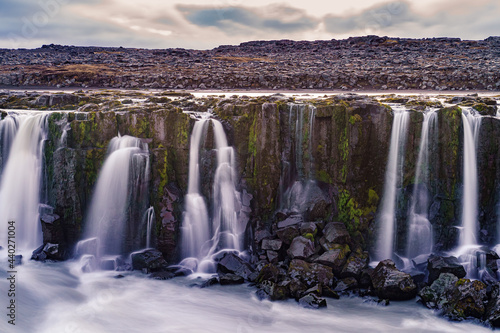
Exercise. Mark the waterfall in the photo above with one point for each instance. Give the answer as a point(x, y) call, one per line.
point(386, 217)
point(195, 225)
point(20, 184)
point(420, 238)
point(227, 201)
point(203, 235)
point(150, 219)
point(111, 207)
point(469, 232)
point(297, 178)
point(8, 130)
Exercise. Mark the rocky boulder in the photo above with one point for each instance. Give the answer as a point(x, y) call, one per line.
point(437, 265)
point(311, 301)
point(150, 259)
point(230, 263)
point(390, 283)
point(301, 248)
point(336, 233)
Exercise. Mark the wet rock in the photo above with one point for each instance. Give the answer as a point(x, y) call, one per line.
point(268, 273)
point(493, 309)
point(162, 275)
point(47, 251)
point(271, 244)
point(346, 284)
point(336, 232)
point(365, 280)
point(288, 234)
point(310, 274)
point(261, 235)
point(232, 264)
point(301, 248)
point(226, 279)
point(355, 265)
point(311, 301)
point(456, 298)
point(334, 259)
point(437, 265)
point(149, 259)
point(272, 256)
point(88, 263)
point(272, 291)
point(291, 220)
point(308, 228)
point(391, 283)
point(467, 299)
point(431, 295)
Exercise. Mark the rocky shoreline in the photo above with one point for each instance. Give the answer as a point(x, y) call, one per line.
point(356, 63)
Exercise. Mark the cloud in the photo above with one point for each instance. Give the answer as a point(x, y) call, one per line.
point(400, 18)
point(240, 20)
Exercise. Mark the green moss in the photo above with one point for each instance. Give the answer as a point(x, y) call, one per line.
point(349, 213)
point(324, 177)
point(309, 236)
point(355, 119)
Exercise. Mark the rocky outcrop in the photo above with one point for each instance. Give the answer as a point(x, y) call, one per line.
point(369, 62)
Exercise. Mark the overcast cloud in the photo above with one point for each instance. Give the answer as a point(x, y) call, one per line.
point(207, 24)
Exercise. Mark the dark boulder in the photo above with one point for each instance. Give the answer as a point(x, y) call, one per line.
point(301, 248)
point(273, 291)
point(311, 301)
point(288, 234)
point(334, 259)
point(456, 298)
point(271, 244)
point(356, 262)
point(47, 251)
point(227, 279)
point(310, 274)
point(336, 233)
point(437, 265)
point(230, 263)
point(150, 259)
point(493, 309)
point(268, 273)
point(294, 220)
point(346, 284)
point(391, 283)
point(431, 296)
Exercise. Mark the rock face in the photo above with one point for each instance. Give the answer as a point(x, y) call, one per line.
point(391, 283)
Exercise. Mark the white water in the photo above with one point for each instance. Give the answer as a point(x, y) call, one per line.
point(150, 220)
point(57, 298)
point(386, 219)
point(108, 211)
point(228, 231)
point(469, 231)
point(8, 130)
point(420, 238)
point(21, 181)
point(203, 235)
point(195, 230)
point(297, 181)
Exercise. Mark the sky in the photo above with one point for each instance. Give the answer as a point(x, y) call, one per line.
point(202, 24)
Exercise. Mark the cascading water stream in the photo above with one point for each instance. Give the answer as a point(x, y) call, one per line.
point(110, 211)
point(195, 225)
point(420, 238)
point(468, 250)
point(150, 219)
point(8, 130)
point(386, 218)
point(469, 232)
point(20, 183)
point(203, 235)
point(297, 178)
